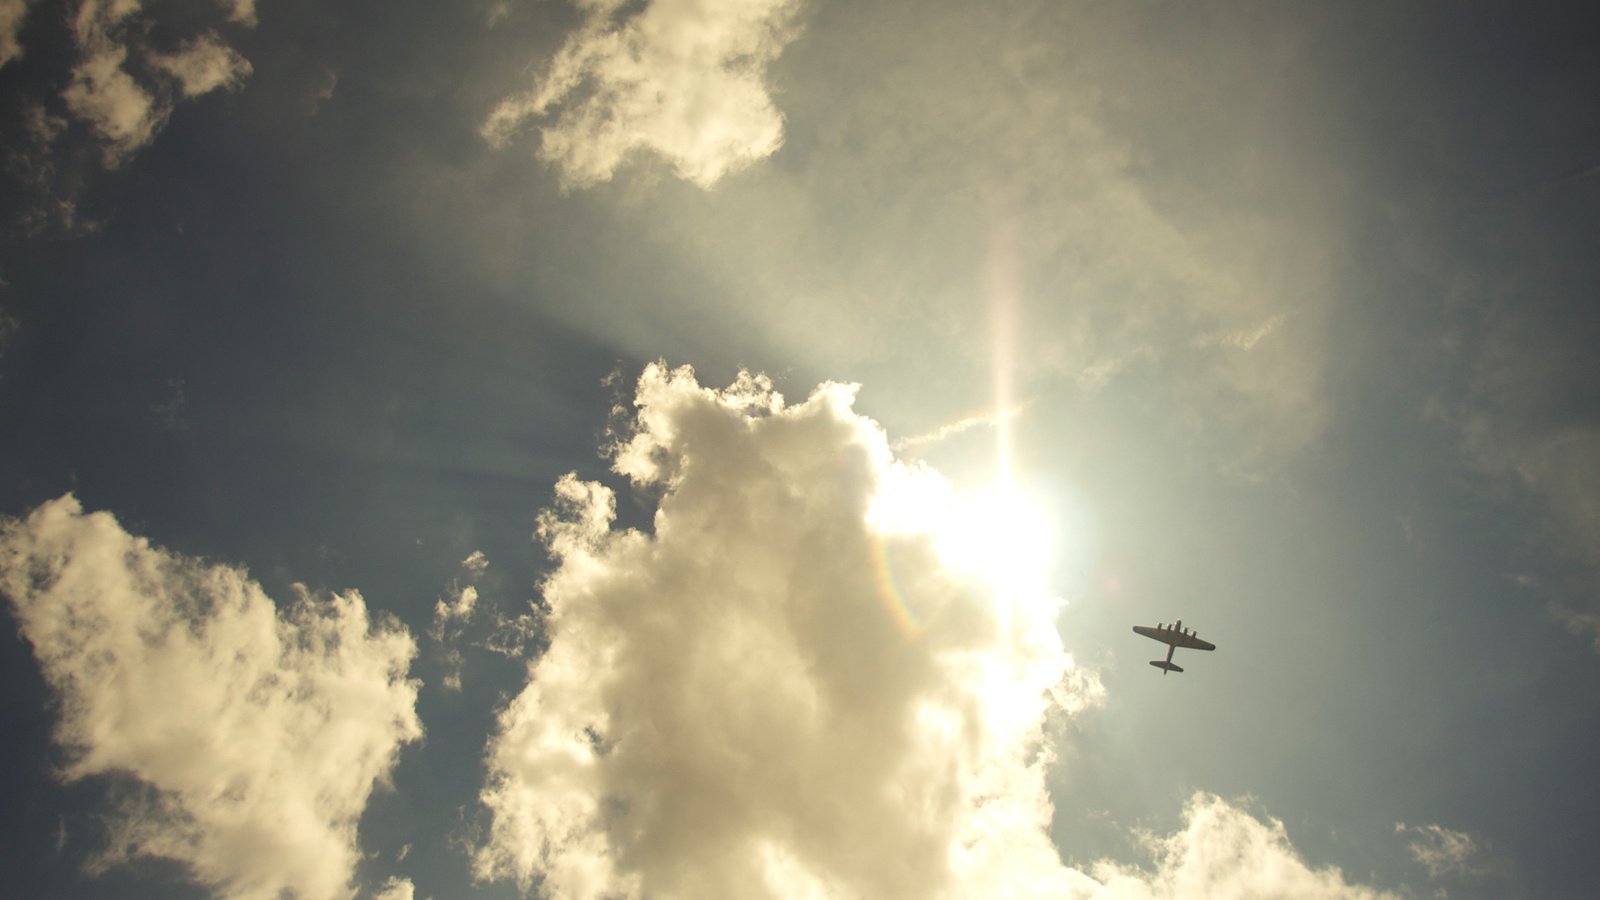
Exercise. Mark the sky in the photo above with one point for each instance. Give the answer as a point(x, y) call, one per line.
point(719, 448)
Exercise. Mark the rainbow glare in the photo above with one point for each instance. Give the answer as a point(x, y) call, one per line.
point(911, 499)
point(996, 539)
point(883, 570)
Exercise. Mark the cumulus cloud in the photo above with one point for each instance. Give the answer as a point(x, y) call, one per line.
point(255, 736)
point(682, 79)
point(1225, 853)
point(12, 13)
point(785, 688)
point(1442, 851)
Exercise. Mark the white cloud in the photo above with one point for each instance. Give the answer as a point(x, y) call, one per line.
point(241, 11)
point(450, 616)
point(1442, 851)
point(516, 636)
point(452, 613)
point(12, 14)
point(256, 735)
point(203, 65)
point(106, 97)
point(683, 79)
point(459, 600)
point(125, 114)
point(458, 608)
point(951, 162)
point(1224, 853)
point(396, 889)
point(496, 12)
point(783, 690)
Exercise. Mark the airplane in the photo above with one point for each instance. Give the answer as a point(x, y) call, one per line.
point(1174, 637)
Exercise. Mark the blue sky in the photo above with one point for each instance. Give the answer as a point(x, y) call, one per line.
point(1275, 320)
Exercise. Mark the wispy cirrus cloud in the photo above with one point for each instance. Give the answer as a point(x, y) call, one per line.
point(684, 80)
point(1528, 418)
point(254, 736)
point(1578, 623)
point(966, 423)
point(1444, 852)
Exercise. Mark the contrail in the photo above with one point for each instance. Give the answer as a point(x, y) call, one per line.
point(989, 420)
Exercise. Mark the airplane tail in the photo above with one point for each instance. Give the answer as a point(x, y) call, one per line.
point(1166, 666)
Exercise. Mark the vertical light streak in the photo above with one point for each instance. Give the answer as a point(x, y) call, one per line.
point(1003, 289)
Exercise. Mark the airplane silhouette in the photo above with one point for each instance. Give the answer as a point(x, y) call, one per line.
point(1174, 637)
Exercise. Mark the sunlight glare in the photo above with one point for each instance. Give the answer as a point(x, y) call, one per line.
point(1001, 536)
point(998, 535)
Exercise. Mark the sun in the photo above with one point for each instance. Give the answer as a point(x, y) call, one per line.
point(998, 539)
point(1001, 536)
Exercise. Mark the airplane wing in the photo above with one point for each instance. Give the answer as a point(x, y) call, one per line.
point(1157, 633)
point(1174, 637)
